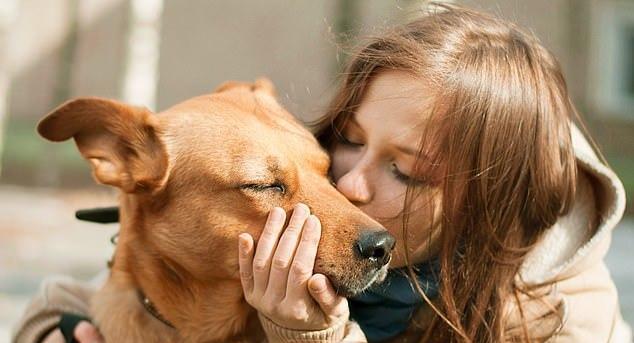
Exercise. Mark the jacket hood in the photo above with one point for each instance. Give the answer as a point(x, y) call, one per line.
point(581, 237)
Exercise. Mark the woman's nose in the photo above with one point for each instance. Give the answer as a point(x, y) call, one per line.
point(355, 186)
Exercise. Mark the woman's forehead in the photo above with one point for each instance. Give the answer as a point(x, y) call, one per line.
point(395, 102)
point(398, 85)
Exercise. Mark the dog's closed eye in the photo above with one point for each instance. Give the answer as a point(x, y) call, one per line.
point(261, 187)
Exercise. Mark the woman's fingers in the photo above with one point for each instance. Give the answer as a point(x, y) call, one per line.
point(277, 275)
point(265, 248)
point(304, 261)
point(245, 260)
point(85, 332)
point(321, 290)
point(285, 251)
point(54, 337)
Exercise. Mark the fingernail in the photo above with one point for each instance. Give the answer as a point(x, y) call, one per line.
point(317, 284)
point(276, 214)
point(243, 241)
point(301, 208)
point(311, 222)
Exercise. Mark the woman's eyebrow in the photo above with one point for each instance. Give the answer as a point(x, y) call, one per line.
point(412, 152)
point(407, 150)
point(404, 149)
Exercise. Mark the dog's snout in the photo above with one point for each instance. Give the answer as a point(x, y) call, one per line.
point(375, 246)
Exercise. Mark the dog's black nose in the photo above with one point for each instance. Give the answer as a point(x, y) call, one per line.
point(375, 246)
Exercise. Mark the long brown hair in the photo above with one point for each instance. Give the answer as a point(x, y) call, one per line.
point(501, 140)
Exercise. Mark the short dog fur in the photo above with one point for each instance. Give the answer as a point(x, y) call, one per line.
point(192, 178)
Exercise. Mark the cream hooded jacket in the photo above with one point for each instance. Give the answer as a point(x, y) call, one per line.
point(574, 298)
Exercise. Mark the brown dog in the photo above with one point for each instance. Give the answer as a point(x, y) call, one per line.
point(192, 178)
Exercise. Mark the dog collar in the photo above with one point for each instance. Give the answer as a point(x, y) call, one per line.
point(149, 306)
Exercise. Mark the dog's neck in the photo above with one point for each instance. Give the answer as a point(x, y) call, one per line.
point(200, 311)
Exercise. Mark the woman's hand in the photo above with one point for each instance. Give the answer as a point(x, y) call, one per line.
point(84, 333)
point(277, 278)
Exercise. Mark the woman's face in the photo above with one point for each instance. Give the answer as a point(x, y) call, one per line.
point(373, 161)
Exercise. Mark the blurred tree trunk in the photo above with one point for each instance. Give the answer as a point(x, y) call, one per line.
point(144, 40)
point(345, 29)
point(8, 16)
point(50, 169)
point(67, 55)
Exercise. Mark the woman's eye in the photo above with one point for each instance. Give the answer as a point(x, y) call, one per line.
point(398, 174)
point(402, 177)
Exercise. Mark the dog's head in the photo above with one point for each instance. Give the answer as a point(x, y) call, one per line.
point(198, 174)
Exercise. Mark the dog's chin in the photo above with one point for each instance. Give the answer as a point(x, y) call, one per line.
point(351, 288)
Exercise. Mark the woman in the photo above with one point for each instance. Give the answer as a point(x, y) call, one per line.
point(455, 132)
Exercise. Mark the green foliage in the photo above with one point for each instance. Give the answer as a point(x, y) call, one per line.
point(25, 147)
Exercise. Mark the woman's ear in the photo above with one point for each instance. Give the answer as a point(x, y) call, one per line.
point(120, 141)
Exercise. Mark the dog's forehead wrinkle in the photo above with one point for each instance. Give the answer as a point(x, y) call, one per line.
point(254, 169)
point(273, 165)
point(224, 113)
point(277, 117)
point(251, 171)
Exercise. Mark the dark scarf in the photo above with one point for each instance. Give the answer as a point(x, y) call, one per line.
point(384, 310)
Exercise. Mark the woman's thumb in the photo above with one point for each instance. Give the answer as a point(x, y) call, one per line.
point(324, 294)
point(87, 333)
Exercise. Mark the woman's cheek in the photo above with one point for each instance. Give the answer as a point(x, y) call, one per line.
point(424, 228)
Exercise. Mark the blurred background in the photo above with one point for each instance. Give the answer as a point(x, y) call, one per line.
point(156, 53)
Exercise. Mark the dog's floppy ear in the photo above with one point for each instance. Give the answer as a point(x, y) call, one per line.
point(261, 84)
point(120, 141)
